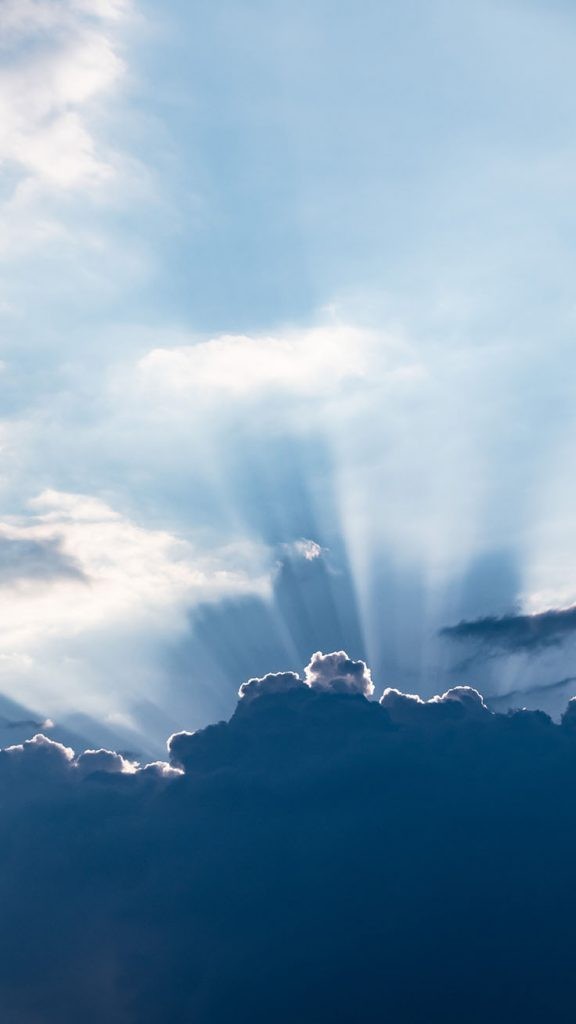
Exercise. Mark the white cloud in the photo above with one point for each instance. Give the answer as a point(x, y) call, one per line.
point(307, 361)
point(125, 571)
point(61, 59)
point(337, 673)
point(307, 549)
point(60, 62)
point(131, 580)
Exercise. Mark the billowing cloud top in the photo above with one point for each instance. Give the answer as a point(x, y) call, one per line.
point(339, 674)
point(458, 702)
point(331, 673)
point(274, 682)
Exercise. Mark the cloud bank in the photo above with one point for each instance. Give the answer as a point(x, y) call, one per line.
point(320, 857)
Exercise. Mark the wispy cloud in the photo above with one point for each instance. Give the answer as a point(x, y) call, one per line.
point(513, 633)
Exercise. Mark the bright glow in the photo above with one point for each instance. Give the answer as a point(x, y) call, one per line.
point(126, 579)
point(44, 130)
point(306, 362)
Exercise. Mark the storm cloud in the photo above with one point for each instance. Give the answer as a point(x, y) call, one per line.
point(320, 857)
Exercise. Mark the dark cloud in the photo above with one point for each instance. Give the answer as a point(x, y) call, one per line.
point(320, 857)
point(513, 633)
point(92, 761)
point(40, 560)
point(457, 703)
point(274, 682)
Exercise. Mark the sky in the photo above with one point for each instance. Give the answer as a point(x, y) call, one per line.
point(287, 320)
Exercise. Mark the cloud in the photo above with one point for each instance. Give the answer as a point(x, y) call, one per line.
point(329, 673)
point(325, 837)
point(27, 723)
point(22, 559)
point(101, 566)
point(274, 682)
point(107, 761)
point(62, 67)
point(457, 703)
point(75, 569)
point(337, 673)
point(38, 762)
point(507, 634)
point(62, 59)
point(307, 549)
point(304, 362)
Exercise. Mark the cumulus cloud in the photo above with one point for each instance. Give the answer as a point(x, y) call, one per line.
point(274, 682)
point(107, 761)
point(313, 830)
point(409, 708)
point(569, 716)
point(330, 673)
point(337, 673)
point(39, 761)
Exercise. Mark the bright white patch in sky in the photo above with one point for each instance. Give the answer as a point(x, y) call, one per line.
point(307, 549)
point(127, 579)
point(307, 362)
point(66, 61)
point(62, 60)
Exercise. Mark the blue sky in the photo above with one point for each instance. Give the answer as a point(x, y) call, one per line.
point(287, 315)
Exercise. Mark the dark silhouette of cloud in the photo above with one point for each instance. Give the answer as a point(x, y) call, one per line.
point(274, 682)
point(512, 633)
point(320, 857)
point(457, 703)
